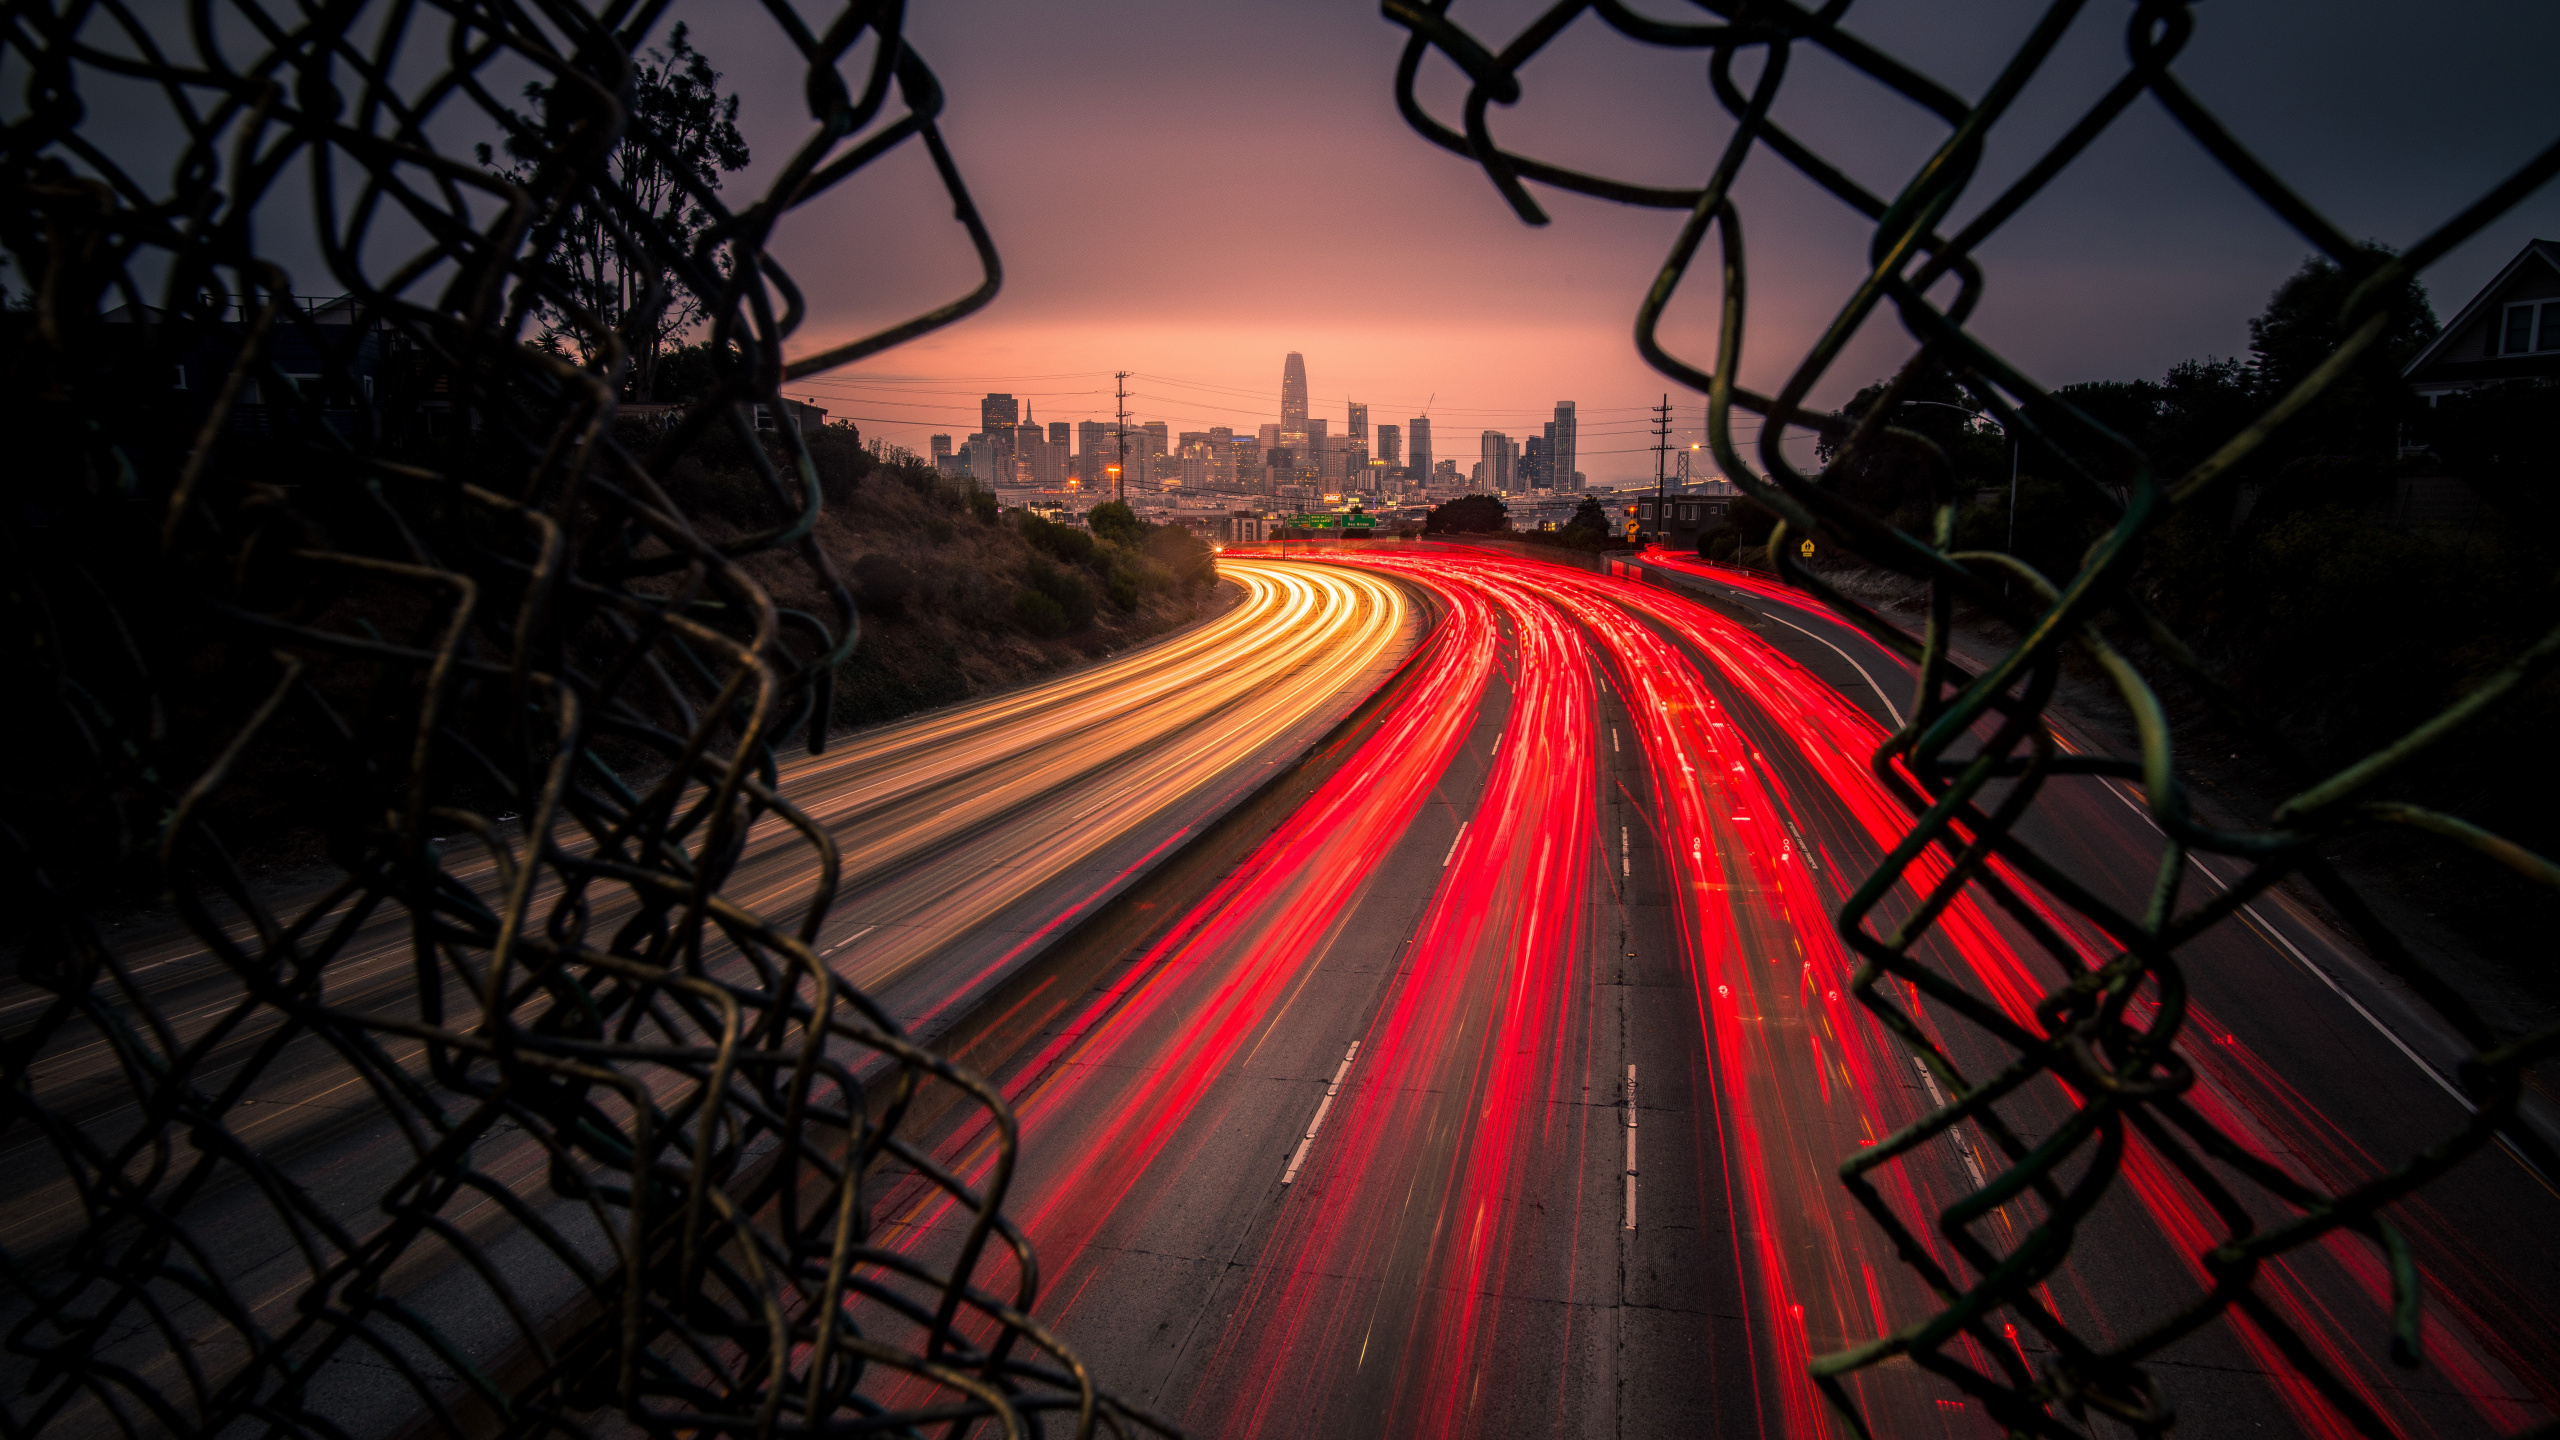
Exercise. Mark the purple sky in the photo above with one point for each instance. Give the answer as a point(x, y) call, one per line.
point(1190, 190)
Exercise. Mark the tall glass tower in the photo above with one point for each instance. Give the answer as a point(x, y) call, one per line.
point(1293, 402)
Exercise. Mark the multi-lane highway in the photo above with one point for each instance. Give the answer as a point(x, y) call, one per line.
point(1500, 1086)
point(968, 836)
point(1502, 1089)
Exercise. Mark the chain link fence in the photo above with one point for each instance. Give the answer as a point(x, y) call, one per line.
point(2114, 1053)
point(524, 1120)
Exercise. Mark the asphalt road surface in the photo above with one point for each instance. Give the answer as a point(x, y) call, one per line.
point(968, 835)
point(1502, 1089)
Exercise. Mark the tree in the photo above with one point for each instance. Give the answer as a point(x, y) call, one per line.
point(1114, 520)
point(2360, 412)
point(1468, 515)
point(679, 136)
point(1589, 516)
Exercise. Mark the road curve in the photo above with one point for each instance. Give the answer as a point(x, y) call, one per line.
point(966, 834)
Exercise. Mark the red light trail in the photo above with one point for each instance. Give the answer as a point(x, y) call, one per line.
point(1427, 1269)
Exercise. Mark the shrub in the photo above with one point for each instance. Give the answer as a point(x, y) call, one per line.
point(1068, 589)
point(1066, 542)
point(1123, 588)
point(1183, 555)
point(1039, 614)
point(983, 506)
point(1112, 520)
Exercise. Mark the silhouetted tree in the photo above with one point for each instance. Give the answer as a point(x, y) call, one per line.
point(1468, 515)
point(678, 138)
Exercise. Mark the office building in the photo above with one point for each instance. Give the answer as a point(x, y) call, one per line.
point(1493, 468)
point(940, 446)
point(997, 417)
point(1562, 449)
point(1358, 428)
point(1293, 400)
point(1418, 449)
point(1391, 446)
point(1534, 474)
point(1093, 451)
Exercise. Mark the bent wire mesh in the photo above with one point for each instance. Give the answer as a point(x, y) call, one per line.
point(2108, 1031)
point(517, 1119)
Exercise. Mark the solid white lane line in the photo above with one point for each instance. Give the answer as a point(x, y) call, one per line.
point(1889, 707)
point(1631, 1147)
point(1322, 1106)
point(2318, 972)
point(1453, 844)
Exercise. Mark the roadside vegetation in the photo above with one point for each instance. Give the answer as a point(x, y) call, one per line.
point(958, 599)
point(2334, 610)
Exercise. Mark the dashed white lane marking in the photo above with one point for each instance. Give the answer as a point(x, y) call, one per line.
point(1626, 864)
point(849, 939)
point(1631, 1147)
point(1322, 1106)
point(1614, 747)
point(1940, 1101)
point(1453, 844)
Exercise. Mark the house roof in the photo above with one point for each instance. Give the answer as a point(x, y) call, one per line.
point(2545, 252)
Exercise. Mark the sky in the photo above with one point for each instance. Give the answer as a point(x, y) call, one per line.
point(1190, 190)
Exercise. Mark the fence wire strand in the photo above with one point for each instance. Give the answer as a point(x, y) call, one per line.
point(592, 1144)
point(2118, 1060)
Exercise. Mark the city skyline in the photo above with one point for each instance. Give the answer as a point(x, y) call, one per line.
point(1296, 456)
point(1431, 287)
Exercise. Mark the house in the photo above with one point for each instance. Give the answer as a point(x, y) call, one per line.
point(2509, 331)
point(1700, 510)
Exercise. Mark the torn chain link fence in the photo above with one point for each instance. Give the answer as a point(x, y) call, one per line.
point(522, 1119)
point(2110, 1028)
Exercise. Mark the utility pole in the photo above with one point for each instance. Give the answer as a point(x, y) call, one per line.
point(1120, 482)
point(1661, 489)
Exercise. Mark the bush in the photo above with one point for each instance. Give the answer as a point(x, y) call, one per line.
point(1123, 588)
point(1066, 542)
point(983, 506)
point(1184, 555)
point(1112, 520)
point(1468, 515)
point(1068, 589)
point(1039, 614)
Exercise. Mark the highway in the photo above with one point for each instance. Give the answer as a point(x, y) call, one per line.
point(1502, 1089)
point(968, 836)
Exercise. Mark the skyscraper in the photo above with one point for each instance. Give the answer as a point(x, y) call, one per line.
point(1494, 451)
point(1358, 429)
point(1561, 449)
point(997, 416)
point(1534, 471)
point(1293, 400)
point(1418, 447)
point(1391, 445)
point(941, 445)
point(1094, 449)
point(1058, 435)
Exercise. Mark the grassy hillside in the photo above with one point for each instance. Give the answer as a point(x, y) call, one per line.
point(957, 600)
